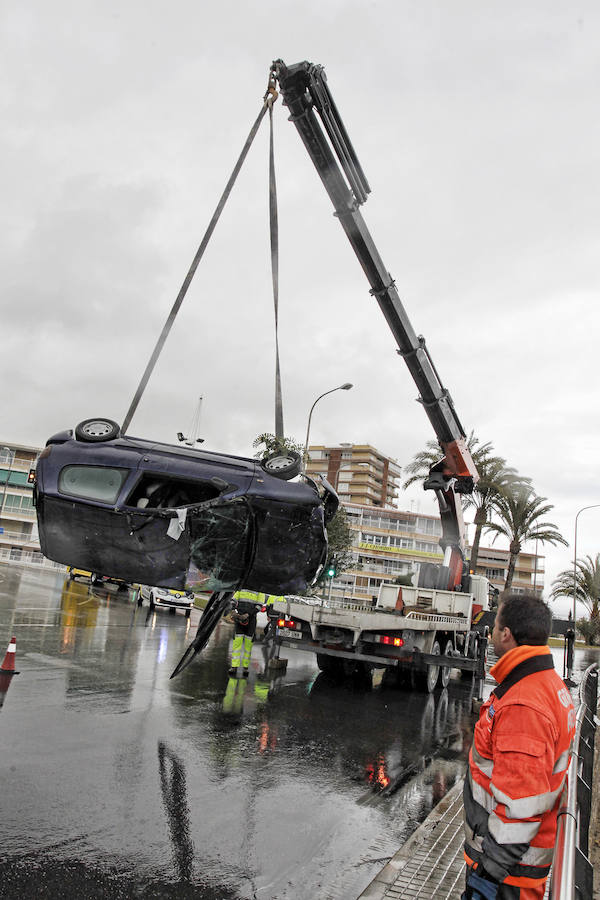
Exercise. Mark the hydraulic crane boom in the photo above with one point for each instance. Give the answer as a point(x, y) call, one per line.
point(305, 92)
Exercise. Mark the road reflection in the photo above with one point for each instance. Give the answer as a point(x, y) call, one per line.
point(174, 796)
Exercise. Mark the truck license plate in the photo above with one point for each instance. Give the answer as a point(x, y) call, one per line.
point(287, 632)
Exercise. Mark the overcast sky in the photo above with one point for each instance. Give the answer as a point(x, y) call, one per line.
point(477, 126)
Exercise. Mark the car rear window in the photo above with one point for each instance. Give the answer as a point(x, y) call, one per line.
point(92, 482)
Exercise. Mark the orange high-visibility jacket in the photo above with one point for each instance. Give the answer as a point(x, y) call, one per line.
point(517, 768)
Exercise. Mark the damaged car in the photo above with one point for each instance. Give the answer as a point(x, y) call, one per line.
point(172, 516)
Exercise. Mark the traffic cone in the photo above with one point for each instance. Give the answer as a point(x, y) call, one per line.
point(8, 665)
point(5, 682)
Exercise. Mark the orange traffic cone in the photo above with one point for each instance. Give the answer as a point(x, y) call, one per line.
point(8, 665)
point(5, 682)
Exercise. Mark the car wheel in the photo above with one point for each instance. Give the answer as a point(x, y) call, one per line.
point(283, 465)
point(171, 610)
point(151, 603)
point(95, 430)
point(187, 613)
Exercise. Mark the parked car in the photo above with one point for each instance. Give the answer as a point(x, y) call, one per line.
point(149, 512)
point(166, 597)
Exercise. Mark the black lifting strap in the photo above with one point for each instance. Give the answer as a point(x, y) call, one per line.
point(192, 270)
point(274, 226)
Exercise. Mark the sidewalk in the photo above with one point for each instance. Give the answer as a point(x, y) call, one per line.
point(430, 864)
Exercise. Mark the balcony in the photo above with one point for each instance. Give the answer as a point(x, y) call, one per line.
point(19, 462)
point(24, 540)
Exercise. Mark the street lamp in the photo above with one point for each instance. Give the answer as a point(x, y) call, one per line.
point(12, 459)
point(593, 506)
point(342, 387)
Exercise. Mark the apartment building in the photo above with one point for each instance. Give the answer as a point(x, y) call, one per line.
point(385, 543)
point(19, 542)
point(360, 474)
point(390, 542)
point(529, 569)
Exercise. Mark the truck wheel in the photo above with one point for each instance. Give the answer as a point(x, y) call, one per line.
point(446, 671)
point(331, 665)
point(427, 679)
point(95, 430)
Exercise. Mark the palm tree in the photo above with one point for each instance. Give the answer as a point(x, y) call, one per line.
point(495, 479)
point(520, 513)
point(587, 584)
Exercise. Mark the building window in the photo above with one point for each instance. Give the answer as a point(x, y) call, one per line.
point(494, 573)
point(427, 547)
point(15, 502)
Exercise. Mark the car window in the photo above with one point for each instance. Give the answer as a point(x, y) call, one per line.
point(221, 543)
point(92, 482)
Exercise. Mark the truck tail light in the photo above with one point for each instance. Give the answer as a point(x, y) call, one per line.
point(286, 623)
point(393, 641)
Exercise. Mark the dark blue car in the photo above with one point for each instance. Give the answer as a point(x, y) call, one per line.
point(170, 515)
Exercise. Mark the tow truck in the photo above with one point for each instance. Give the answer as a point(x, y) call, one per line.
point(428, 628)
point(419, 634)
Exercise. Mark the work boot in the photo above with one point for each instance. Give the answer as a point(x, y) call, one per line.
point(232, 672)
point(245, 673)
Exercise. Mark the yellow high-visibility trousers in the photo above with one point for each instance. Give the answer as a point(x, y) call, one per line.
point(241, 651)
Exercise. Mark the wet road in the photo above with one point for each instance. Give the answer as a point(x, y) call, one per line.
point(118, 782)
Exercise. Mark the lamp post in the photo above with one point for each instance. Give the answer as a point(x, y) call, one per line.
point(342, 387)
point(12, 459)
point(593, 506)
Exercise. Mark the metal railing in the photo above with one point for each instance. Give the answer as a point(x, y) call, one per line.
point(572, 872)
point(30, 558)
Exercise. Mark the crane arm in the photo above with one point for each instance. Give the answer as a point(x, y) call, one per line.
point(305, 92)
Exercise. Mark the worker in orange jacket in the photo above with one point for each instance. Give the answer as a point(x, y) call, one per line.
point(518, 761)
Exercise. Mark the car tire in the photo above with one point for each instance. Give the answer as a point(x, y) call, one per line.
point(188, 613)
point(172, 610)
point(93, 431)
point(284, 465)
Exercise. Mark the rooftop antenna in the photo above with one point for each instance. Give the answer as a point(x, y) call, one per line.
point(194, 428)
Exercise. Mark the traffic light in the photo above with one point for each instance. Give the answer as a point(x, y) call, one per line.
point(331, 571)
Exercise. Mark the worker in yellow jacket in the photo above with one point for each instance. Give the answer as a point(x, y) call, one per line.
point(246, 605)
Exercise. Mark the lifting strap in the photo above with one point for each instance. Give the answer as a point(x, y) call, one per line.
point(274, 228)
point(199, 254)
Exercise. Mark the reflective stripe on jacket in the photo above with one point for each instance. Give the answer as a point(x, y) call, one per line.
point(517, 768)
point(246, 596)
